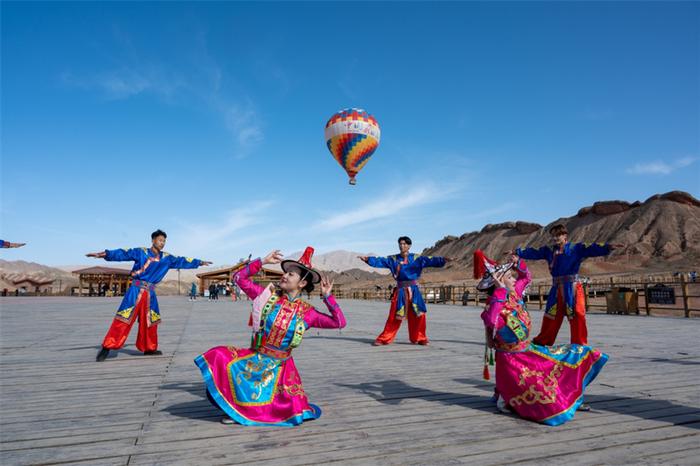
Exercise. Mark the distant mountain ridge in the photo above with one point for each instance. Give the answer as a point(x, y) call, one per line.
point(660, 234)
point(11, 271)
point(340, 261)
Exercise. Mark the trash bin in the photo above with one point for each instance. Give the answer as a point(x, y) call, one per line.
point(621, 301)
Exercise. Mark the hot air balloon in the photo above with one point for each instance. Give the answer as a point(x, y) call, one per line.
point(352, 136)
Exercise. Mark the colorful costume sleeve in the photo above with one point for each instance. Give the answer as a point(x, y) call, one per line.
point(533, 254)
point(592, 250)
point(497, 301)
point(179, 262)
point(241, 278)
point(524, 277)
point(430, 261)
point(120, 255)
point(314, 318)
point(379, 262)
point(2, 243)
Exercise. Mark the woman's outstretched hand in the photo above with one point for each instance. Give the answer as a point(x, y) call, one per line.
point(498, 279)
point(98, 255)
point(512, 256)
point(326, 285)
point(274, 257)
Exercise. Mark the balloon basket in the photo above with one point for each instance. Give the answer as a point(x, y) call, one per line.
point(352, 181)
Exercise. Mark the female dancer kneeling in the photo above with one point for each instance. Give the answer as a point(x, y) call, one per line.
point(260, 385)
point(541, 383)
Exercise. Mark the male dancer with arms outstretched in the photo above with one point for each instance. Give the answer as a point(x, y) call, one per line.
point(150, 266)
point(406, 299)
point(566, 295)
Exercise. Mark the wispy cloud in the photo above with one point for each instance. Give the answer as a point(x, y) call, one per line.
point(224, 234)
point(389, 205)
point(238, 110)
point(127, 81)
point(202, 82)
point(347, 82)
point(245, 124)
point(660, 167)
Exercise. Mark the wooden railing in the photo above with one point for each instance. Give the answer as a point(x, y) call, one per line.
point(688, 293)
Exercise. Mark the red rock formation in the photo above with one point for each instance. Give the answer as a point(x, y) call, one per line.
point(665, 229)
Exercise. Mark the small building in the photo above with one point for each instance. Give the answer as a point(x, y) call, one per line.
point(223, 276)
point(36, 286)
point(102, 281)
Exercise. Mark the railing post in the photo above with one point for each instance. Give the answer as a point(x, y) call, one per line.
point(539, 293)
point(646, 298)
point(684, 290)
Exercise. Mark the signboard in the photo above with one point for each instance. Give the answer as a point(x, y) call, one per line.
point(661, 294)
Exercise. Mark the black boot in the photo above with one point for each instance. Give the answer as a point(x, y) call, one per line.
point(102, 355)
point(153, 353)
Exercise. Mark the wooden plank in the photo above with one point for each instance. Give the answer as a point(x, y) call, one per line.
point(685, 453)
point(399, 404)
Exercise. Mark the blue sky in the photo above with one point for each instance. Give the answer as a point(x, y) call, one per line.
point(206, 120)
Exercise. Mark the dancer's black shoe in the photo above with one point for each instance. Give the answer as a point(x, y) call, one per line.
point(102, 355)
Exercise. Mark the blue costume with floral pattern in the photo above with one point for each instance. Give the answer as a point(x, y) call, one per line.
point(406, 272)
point(148, 270)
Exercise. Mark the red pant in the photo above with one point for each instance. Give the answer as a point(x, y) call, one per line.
point(550, 327)
point(416, 326)
point(147, 338)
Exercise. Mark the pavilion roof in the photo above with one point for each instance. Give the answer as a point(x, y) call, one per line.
point(34, 281)
point(99, 270)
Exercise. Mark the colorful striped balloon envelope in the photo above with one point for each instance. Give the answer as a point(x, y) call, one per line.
point(352, 136)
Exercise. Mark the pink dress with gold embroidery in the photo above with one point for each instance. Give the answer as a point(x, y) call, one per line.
point(541, 383)
point(262, 386)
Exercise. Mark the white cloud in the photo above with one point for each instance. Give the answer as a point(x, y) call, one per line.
point(224, 234)
point(126, 82)
point(200, 82)
point(660, 167)
point(124, 86)
point(244, 123)
point(389, 205)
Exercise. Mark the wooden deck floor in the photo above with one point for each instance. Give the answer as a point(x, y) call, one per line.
point(400, 404)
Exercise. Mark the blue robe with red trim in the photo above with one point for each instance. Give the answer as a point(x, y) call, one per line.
point(148, 267)
point(563, 263)
point(407, 272)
